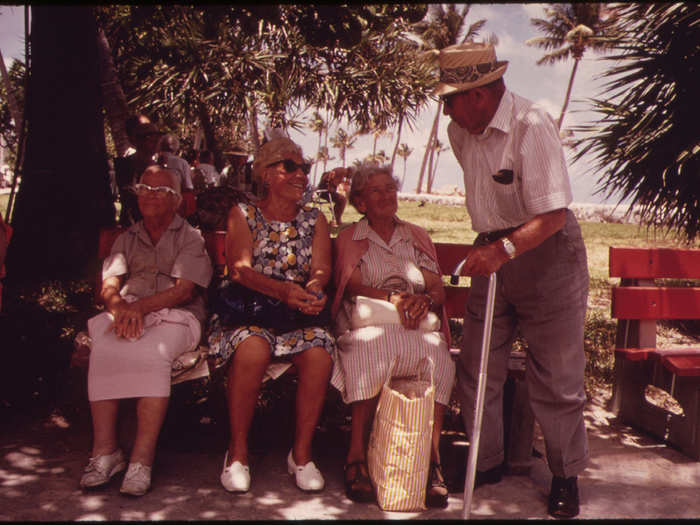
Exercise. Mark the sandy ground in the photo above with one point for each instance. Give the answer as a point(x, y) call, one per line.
point(630, 475)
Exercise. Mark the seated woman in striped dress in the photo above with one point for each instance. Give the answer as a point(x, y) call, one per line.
point(383, 257)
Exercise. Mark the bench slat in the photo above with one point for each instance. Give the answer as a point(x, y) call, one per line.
point(655, 302)
point(634, 354)
point(450, 254)
point(682, 365)
point(650, 263)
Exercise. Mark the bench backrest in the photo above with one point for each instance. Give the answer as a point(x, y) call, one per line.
point(449, 255)
point(639, 298)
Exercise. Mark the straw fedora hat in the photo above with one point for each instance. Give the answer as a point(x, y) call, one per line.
point(466, 66)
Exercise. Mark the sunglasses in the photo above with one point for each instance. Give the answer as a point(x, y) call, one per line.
point(290, 166)
point(160, 191)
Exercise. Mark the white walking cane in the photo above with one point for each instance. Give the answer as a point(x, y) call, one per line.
point(480, 393)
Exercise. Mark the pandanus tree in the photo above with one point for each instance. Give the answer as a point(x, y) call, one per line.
point(644, 141)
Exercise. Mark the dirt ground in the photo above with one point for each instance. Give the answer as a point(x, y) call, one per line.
point(631, 475)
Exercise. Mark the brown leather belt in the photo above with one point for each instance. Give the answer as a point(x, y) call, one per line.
point(489, 237)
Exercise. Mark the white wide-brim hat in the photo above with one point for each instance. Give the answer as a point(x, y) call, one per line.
point(466, 66)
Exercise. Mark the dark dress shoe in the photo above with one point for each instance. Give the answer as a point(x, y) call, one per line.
point(488, 477)
point(358, 486)
point(436, 491)
point(563, 498)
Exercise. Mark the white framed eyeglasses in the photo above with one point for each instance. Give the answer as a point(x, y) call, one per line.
point(142, 190)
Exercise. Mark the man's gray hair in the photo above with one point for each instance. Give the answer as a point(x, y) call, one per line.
point(362, 174)
point(170, 143)
point(174, 177)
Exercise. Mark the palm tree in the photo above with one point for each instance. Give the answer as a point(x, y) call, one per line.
point(438, 148)
point(342, 141)
point(645, 139)
point(443, 27)
point(323, 155)
point(404, 152)
point(317, 125)
point(570, 30)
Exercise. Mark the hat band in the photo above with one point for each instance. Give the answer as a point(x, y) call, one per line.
point(466, 74)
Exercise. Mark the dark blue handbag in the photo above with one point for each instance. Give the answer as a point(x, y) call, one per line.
point(238, 305)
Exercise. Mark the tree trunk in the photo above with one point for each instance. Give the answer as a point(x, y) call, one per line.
point(431, 178)
point(65, 195)
point(404, 172)
point(429, 146)
point(113, 98)
point(210, 135)
point(318, 152)
point(396, 144)
point(253, 125)
point(568, 94)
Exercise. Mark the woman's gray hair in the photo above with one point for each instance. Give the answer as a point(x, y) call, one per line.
point(362, 174)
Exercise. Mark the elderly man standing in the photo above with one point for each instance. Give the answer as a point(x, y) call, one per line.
point(152, 288)
point(517, 193)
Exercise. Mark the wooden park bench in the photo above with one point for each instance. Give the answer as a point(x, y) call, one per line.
point(645, 295)
point(519, 419)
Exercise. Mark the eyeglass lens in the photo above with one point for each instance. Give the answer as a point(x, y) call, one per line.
point(290, 166)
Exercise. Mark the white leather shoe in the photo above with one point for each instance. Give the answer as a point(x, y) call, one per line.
point(100, 469)
point(235, 477)
point(137, 480)
point(307, 477)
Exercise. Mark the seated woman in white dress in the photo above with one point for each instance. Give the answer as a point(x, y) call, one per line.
point(383, 257)
point(152, 288)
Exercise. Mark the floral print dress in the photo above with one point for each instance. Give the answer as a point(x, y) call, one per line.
point(281, 250)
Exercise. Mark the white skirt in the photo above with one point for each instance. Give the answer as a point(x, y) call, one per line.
point(121, 368)
point(365, 357)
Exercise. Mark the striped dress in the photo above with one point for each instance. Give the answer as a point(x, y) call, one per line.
point(366, 355)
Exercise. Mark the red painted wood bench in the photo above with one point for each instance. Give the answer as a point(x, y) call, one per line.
point(645, 296)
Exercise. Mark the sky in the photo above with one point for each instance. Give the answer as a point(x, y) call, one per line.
point(543, 84)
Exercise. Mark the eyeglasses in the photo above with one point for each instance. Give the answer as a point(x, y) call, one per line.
point(290, 166)
point(160, 191)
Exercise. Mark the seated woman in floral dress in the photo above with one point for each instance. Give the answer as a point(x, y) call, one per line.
point(283, 250)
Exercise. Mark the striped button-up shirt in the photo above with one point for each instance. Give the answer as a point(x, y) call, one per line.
point(521, 146)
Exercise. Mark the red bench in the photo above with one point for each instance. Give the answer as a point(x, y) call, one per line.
point(638, 303)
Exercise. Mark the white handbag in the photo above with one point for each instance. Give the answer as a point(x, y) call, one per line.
point(367, 311)
point(375, 312)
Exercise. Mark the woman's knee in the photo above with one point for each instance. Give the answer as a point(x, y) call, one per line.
point(253, 351)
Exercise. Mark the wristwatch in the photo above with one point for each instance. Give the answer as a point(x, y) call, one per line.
point(509, 247)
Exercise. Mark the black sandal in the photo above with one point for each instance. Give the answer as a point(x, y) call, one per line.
point(358, 488)
point(436, 493)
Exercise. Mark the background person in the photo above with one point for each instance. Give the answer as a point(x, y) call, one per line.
point(517, 193)
point(205, 173)
point(337, 182)
point(145, 137)
point(383, 257)
point(152, 290)
point(169, 148)
point(282, 250)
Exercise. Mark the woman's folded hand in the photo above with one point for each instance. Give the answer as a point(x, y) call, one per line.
point(305, 300)
point(128, 320)
point(412, 308)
